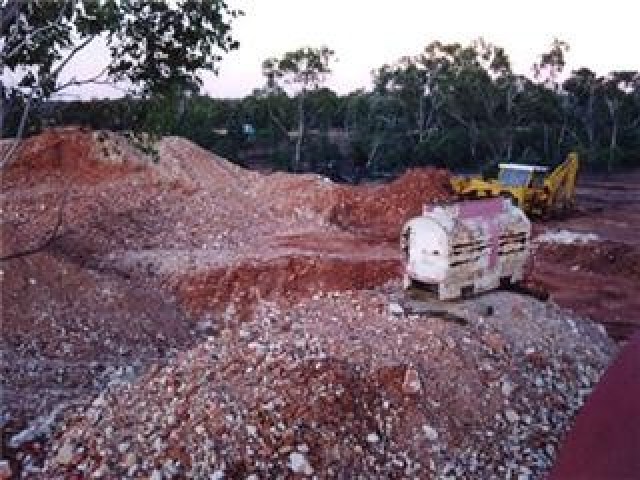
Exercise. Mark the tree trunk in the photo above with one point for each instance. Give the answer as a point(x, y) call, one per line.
point(296, 161)
point(613, 145)
point(590, 126)
point(421, 118)
point(612, 107)
point(372, 154)
point(473, 140)
point(4, 104)
point(6, 159)
point(545, 130)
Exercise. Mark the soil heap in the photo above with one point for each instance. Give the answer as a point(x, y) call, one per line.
point(183, 316)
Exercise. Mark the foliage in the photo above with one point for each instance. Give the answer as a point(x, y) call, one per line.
point(452, 105)
point(156, 47)
point(302, 69)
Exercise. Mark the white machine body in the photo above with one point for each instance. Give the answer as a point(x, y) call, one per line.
point(467, 247)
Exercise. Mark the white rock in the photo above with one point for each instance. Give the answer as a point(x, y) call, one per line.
point(204, 326)
point(430, 432)
point(156, 475)
point(373, 438)
point(566, 237)
point(298, 463)
point(65, 454)
point(158, 444)
point(411, 383)
point(511, 415)
point(396, 309)
point(507, 388)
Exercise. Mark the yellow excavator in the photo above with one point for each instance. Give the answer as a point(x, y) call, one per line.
point(532, 188)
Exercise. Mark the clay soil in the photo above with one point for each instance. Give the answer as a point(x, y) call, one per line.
point(598, 279)
point(192, 318)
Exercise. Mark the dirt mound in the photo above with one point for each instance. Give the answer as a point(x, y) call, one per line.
point(284, 276)
point(194, 229)
point(73, 155)
point(235, 297)
point(381, 211)
point(597, 279)
point(337, 386)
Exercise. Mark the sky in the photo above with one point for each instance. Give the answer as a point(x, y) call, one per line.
point(602, 35)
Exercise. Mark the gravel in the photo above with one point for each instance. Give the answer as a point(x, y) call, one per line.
point(218, 323)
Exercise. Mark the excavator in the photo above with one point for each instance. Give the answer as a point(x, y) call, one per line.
point(534, 189)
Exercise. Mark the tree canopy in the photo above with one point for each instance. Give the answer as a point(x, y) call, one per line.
point(454, 105)
point(153, 45)
point(301, 69)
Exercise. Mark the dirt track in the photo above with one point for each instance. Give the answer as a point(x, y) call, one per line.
point(191, 293)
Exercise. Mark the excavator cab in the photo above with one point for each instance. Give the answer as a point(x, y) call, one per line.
point(514, 175)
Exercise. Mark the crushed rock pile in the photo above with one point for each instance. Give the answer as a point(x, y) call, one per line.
point(148, 250)
point(338, 386)
point(193, 294)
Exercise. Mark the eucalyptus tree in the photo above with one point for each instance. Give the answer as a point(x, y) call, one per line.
point(155, 47)
point(302, 70)
point(617, 91)
point(584, 91)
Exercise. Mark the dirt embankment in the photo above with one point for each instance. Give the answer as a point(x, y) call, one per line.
point(220, 313)
point(147, 256)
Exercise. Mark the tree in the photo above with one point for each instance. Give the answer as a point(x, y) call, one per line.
point(158, 47)
point(551, 65)
point(302, 69)
point(617, 89)
point(584, 90)
point(406, 79)
point(472, 85)
point(547, 72)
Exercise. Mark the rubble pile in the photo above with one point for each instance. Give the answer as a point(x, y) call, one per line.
point(339, 386)
point(192, 318)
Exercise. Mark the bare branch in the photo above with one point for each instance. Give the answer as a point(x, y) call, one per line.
point(93, 80)
point(28, 38)
point(72, 54)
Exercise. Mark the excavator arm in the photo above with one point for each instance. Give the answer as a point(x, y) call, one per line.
point(560, 184)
